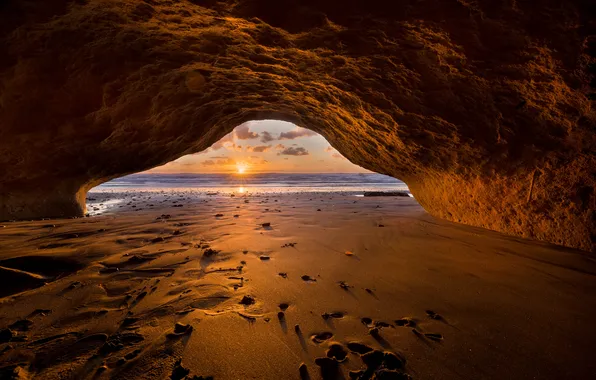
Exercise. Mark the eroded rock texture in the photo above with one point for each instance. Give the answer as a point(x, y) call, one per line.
point(484, 108)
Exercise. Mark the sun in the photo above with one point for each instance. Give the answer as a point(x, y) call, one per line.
point(241, 168)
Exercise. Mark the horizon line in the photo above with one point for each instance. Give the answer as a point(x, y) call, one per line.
point(246, 174)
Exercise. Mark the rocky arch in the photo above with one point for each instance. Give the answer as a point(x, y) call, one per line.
point(484, 108)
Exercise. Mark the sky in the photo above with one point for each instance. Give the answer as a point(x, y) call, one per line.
point(265, 146)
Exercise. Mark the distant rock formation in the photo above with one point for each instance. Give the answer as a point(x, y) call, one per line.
point(485, 109)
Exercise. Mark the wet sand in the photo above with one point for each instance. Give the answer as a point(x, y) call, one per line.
point(338, 283)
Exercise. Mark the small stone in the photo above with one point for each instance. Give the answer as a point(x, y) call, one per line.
point(434, 336)
point(6, 335)
point(179, 372)
point(344, 285)
point(179, 328)
point(303, 370)
point(335, 314)
point(247, 300)
point(21, 325)
point(210, 252)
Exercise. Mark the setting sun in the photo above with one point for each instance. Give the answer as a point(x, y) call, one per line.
point(241, 168)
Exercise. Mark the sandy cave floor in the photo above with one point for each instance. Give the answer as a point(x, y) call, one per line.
point(371, 284)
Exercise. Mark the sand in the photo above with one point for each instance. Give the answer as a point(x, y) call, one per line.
point(376, 284)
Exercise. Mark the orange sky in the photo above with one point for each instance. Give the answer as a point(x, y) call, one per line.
point(265, 146)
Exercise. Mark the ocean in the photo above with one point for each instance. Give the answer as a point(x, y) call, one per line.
point(256, 183)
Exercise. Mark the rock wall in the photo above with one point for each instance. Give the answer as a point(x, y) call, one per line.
point(485, 108)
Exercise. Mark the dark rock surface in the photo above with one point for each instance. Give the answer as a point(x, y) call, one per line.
point(485, 109)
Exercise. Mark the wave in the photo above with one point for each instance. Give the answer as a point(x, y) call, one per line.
point(260, 181)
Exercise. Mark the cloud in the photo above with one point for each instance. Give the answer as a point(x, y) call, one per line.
point(266, 137)
point(226, 139)
point(227, 161)
point(280, 147)
point(334, 152)
point(291, 151)
point(243, 132)
point(208, 162)
point(228, 145)
point(219, 157)
point(296, 133)
point(258, 149)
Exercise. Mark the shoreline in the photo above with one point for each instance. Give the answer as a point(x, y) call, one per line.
point(103, 201)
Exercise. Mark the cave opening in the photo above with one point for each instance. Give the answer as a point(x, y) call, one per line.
point(257, 157)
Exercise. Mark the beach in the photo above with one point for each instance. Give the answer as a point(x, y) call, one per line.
point(292, 285)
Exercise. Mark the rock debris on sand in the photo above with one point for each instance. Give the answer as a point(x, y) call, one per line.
point(99, 298)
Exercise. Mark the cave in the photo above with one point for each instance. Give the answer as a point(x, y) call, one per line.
point(484, 109)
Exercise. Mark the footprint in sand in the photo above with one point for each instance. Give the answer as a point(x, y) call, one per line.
point(359, 348)
point(329, 368)
point(406, 322)
point(321, 337)
point(387, 360)
point(307, 278)
point(118, 341)
point(380, 324)
point(284, 306)
point(433, 315)
point(139, 298)
point(334, 315)
point(338, 352)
